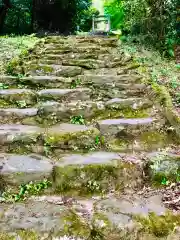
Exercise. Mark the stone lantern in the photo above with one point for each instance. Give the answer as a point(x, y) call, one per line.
point(100, 23)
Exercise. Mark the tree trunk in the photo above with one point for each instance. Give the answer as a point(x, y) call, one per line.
point(3, 12)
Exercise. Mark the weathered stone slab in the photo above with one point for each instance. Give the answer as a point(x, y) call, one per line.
point(16, 132)
point(18, 112)
point(64, 111)
point(15, 95)
point(114, 127)
point(71, 136)
point(21, 169)
point(66, 94)
point(97, 172)
point(164, 166)
point(134, 103)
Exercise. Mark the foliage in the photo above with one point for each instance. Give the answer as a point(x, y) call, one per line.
point(19, 17)
point(148, 21)
point(26, 190)
point(12, 46)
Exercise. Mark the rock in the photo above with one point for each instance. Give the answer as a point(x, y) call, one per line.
point(66, 110)
point(134, 103)
point(21, 169)
point(53, 70)
point(47, 81)
point(19, 113)
point(10, 133)
point(97, 172)
point(71, 136)
point(107, 79)
point(17, 95)
point(42, 217)
point(87, 64)
point(111, 127)
point(163, 165)
point(66, 94)
point(121, 211)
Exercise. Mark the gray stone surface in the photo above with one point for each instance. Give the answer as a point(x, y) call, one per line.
point(19, 169)
point(114, 126)
point(13, 132)
point(164, 164)
point(134, 103)
point(17, 95)
point(120, 211)
point(17, 112)
point(67, 94)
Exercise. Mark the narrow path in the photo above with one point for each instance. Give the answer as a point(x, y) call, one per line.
point(81, 116)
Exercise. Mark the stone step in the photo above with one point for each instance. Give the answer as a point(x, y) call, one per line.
point(52, 112)
point(81, 94)
point(85, 55)
point(145, 142)
point(92, 111)
point(25, 97)
point(24, 138)
point(113, 218)
point(63, 82)
point(89, 49)
point(107, 169)
point(16, 113)
point(99, 41)
point(112, 128)
point(53, 70)
point(17, 97)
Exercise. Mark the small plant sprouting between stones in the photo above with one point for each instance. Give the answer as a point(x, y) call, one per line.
point(3, 86)
point(26, 190)
point(75, 83)
point(78, 120)
point(21, 104)
point(166, 182)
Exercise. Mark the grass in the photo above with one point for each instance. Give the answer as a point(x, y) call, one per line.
point(160, 70)
point(11, 46)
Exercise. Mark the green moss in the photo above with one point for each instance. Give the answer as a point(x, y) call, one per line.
point(152, 137)
point(4, 104)
point(6, 236)
point(159, 226)
point(45, 68)
point(92, 178)
point(118, 144)
point(74, 225)
point(81, 139)
point(27, 234)
point(124, 113)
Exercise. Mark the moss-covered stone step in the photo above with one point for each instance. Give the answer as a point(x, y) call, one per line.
point(84, 63)
point(37, 81)
point(57, 70)
point(91, 173)
point(99, 41)
point(19, 97)
point(123, 127)
point(81, 94)
point(94, 110)
point(98, 172)
point(127, 217)
point(104, 81)
point(16, 114)
point(10, 133)
point(24, 138)
point(87, 49)
point(92, 55)
point(148, 141)
point(163, 166)
point(22, 169)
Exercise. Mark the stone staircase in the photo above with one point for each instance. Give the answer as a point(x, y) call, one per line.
point(78, 114)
